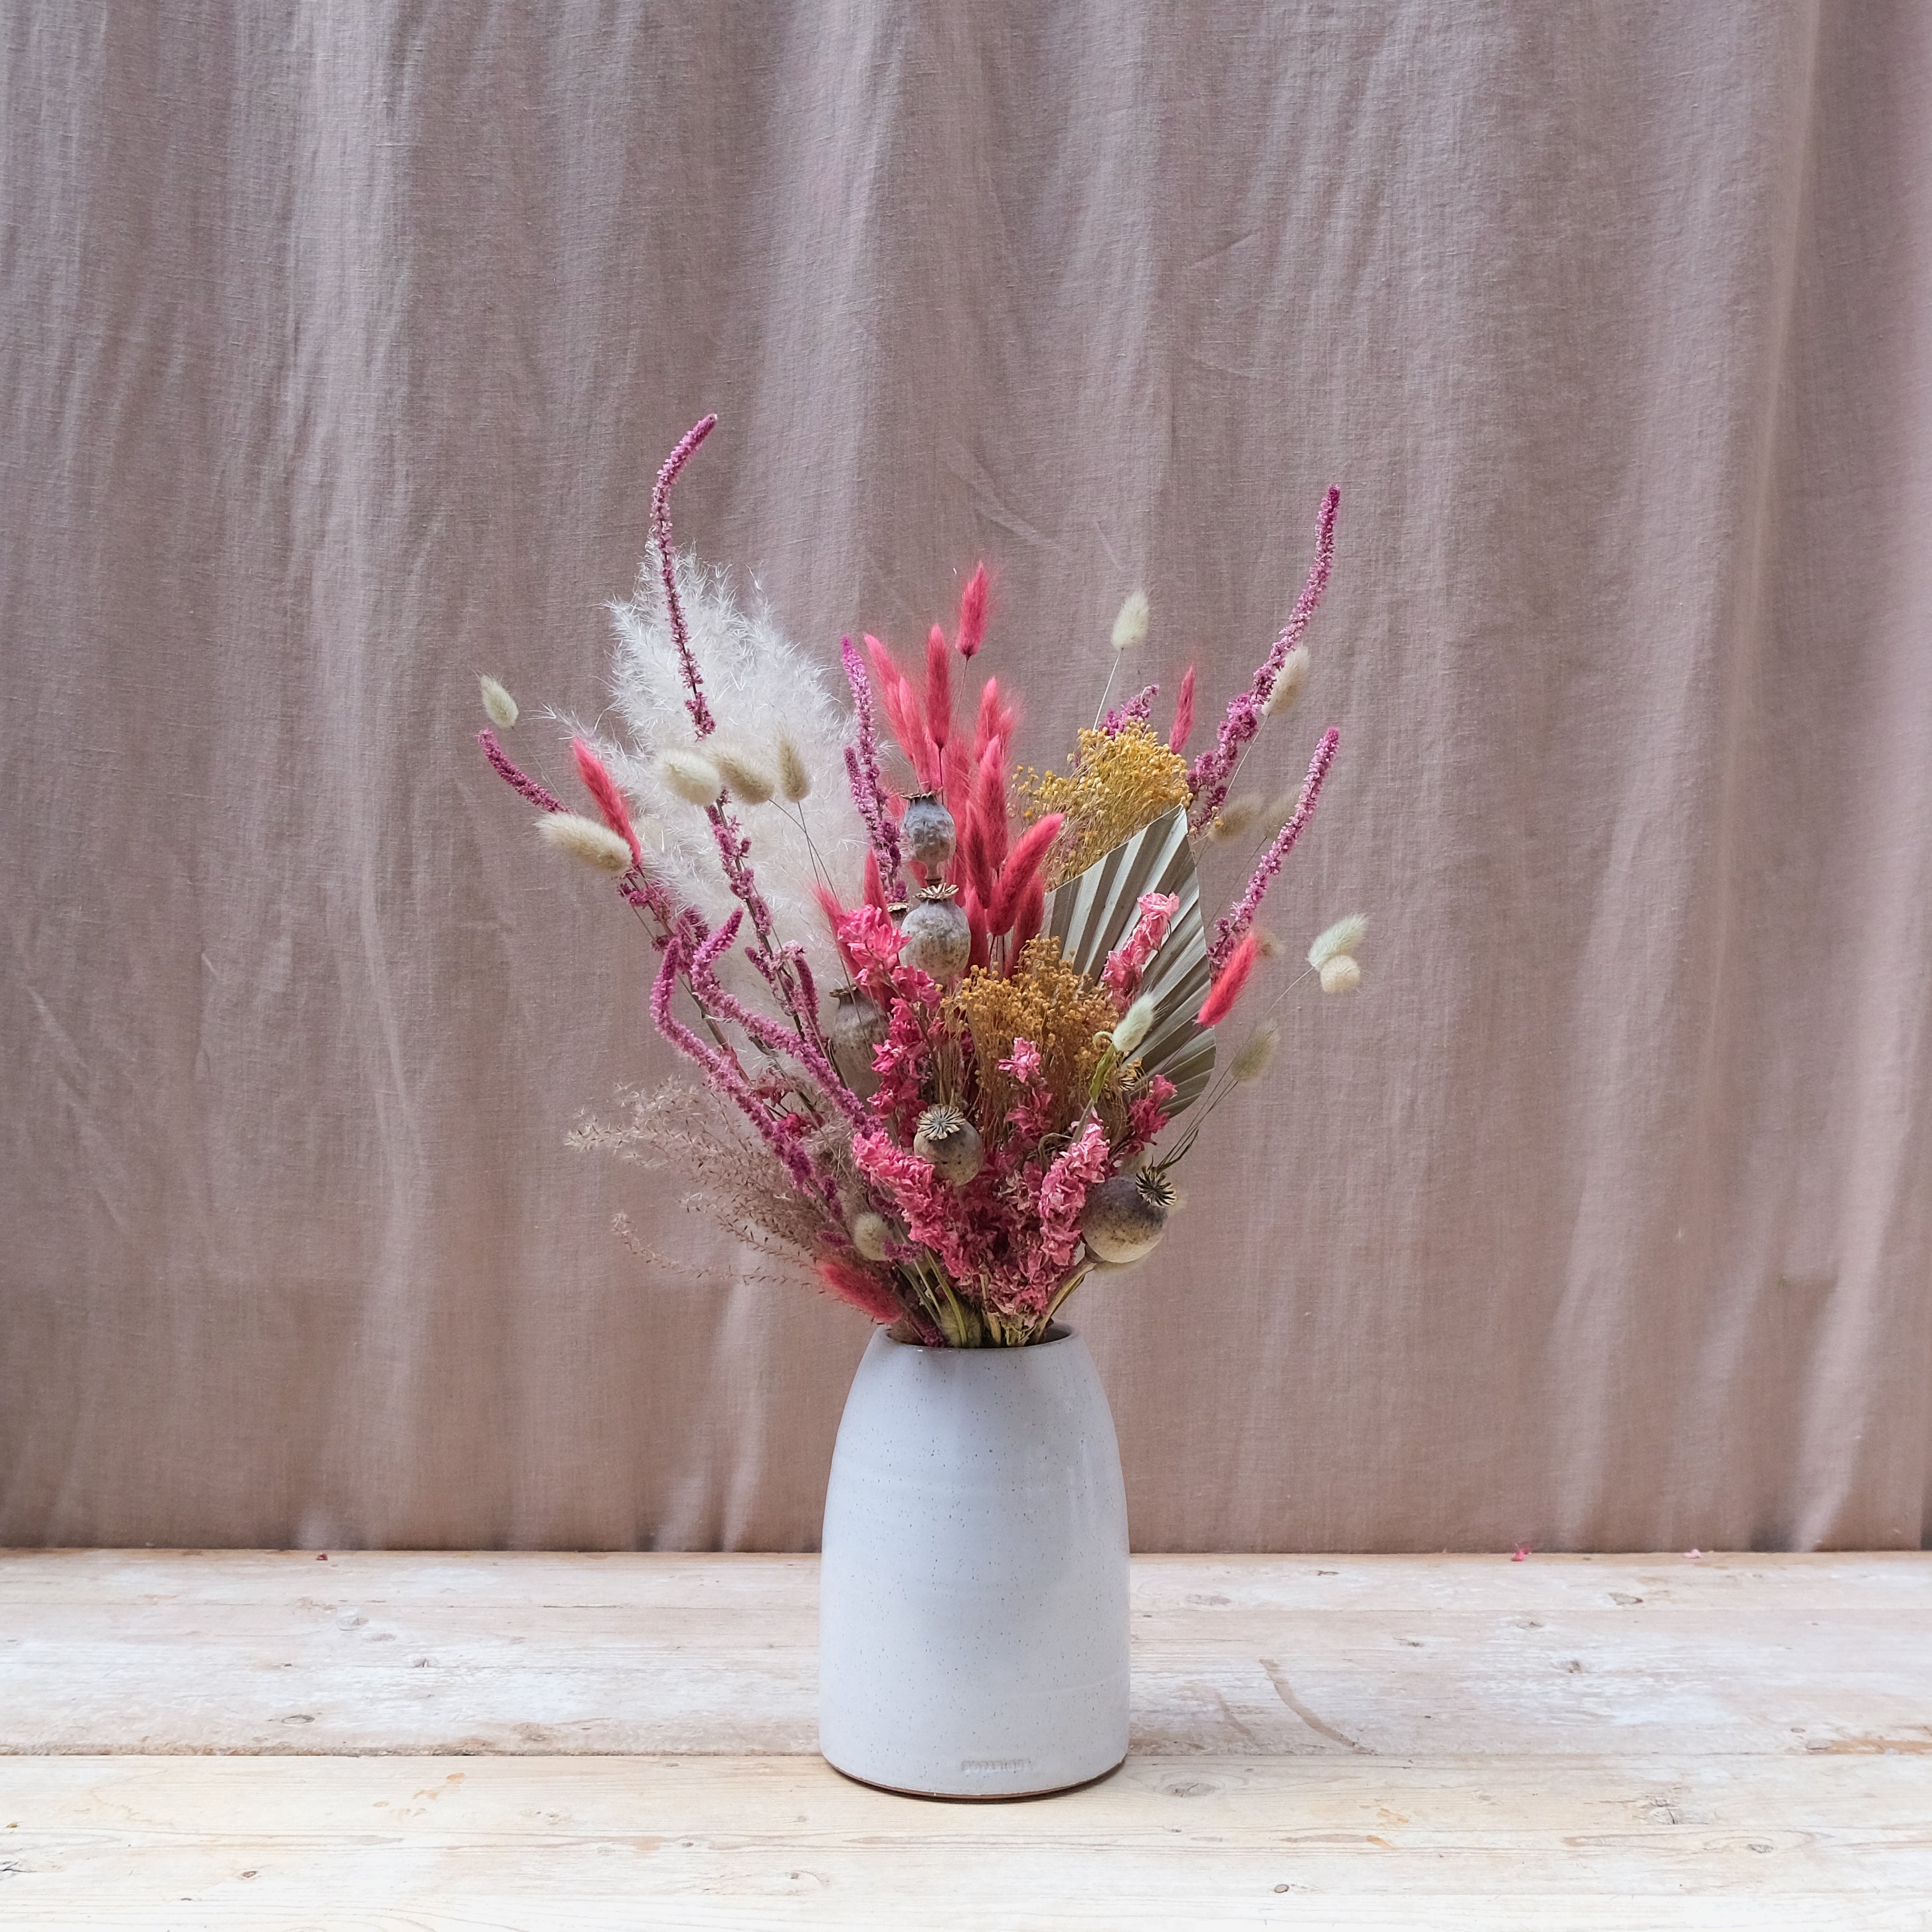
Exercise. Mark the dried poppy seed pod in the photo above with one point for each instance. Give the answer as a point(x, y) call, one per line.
point(928, 831)
point(948, 1139)
point(938, 941)
point(1124, 1218)
point(857, 1026)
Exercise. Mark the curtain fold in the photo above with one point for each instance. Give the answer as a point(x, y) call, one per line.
point(342, 345)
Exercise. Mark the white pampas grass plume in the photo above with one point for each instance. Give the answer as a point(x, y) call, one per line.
point(1135, 1024)
point(1346, 935)
point(697, 780)
point(1340, 974)
point(585, 838)
point(1237, 816)
point(794, 781)
point(1290, 684)
point(1130, 627)
point(1257, 1054)
point(498, 705)
point(767, 688)
point(870, 1234)
point(750, 783)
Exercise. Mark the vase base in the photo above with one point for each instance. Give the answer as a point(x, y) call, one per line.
point(978, 1797)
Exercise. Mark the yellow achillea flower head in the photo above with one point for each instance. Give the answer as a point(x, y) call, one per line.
point(1119, 783)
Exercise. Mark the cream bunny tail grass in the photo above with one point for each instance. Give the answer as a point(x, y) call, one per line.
point(596, 844)
point(1346, 935)
point(1340, 974)
point(1130, 627)
point(794, 780)
point(764, 690)
point(1257, 1054)
point(499, 706)
point(692, 776)
point(748, 781)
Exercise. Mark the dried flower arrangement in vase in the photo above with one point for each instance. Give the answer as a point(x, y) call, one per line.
point(1020, 999)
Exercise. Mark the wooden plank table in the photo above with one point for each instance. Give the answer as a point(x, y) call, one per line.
point(547, 1743)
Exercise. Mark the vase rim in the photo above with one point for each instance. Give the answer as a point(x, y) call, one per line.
point(1056, 1331)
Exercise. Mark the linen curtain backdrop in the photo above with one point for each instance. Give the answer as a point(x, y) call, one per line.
point(342, 343)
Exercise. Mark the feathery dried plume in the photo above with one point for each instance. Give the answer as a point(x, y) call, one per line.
point(1135, 1024)
point(1237, 816)
point(498, 705)
point(1267, 943)
point(794, 780)
point(1289, 685)
point(871, 1235)
point(1346, 935)
point(1130, 627)
point(1280, 810)
point(1228, 982)
point(695, 778)
point(748, 782)
point(1257, 1054)
point(1340, 974)
point(585, 838)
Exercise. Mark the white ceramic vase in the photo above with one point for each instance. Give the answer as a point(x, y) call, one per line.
point(973, 1635)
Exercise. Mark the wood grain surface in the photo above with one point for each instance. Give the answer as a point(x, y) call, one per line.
point(423, 1743)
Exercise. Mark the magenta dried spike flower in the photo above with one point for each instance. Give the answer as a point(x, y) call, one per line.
point(1214, 771)
point(702, 721)
point(528, 787)
point(1233, 927)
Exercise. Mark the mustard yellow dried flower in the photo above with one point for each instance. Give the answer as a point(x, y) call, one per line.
point(1117, 785)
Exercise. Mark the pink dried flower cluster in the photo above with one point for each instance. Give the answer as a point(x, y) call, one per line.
point(944, 1136)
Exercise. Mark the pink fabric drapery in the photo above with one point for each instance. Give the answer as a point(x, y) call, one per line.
point(342, 344)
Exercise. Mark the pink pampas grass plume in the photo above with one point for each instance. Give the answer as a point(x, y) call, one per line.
point(1183, 712)
point(1227, 988)
point(973, 613)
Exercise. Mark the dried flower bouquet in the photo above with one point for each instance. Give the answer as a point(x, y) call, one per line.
point(940, 1042)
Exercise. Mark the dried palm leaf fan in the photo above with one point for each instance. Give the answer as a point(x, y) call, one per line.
point(1095, 910)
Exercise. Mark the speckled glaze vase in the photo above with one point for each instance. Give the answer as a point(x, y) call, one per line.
point(973, 1633)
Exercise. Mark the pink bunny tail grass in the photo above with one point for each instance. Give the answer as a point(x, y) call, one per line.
point(1233, 927)
point(866, 1291)
point(901, 707)
point(875, 887)
point(938, 688)
point(1227, 987)
point(989, 800)
point(973, 613)
point(526, 788)
point(1032, 917)
point(1021, 871)
point(1214, 770)
point(828, 904)
point(1183, 713)
point(702, 721)
point(603, 787)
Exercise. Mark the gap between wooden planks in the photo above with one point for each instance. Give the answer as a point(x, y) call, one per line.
point(1449, 1741)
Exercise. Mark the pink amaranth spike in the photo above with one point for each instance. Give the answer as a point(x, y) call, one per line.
point(701, 719)
point(526, 788)
point(1214, 770)
point(1231, 926)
